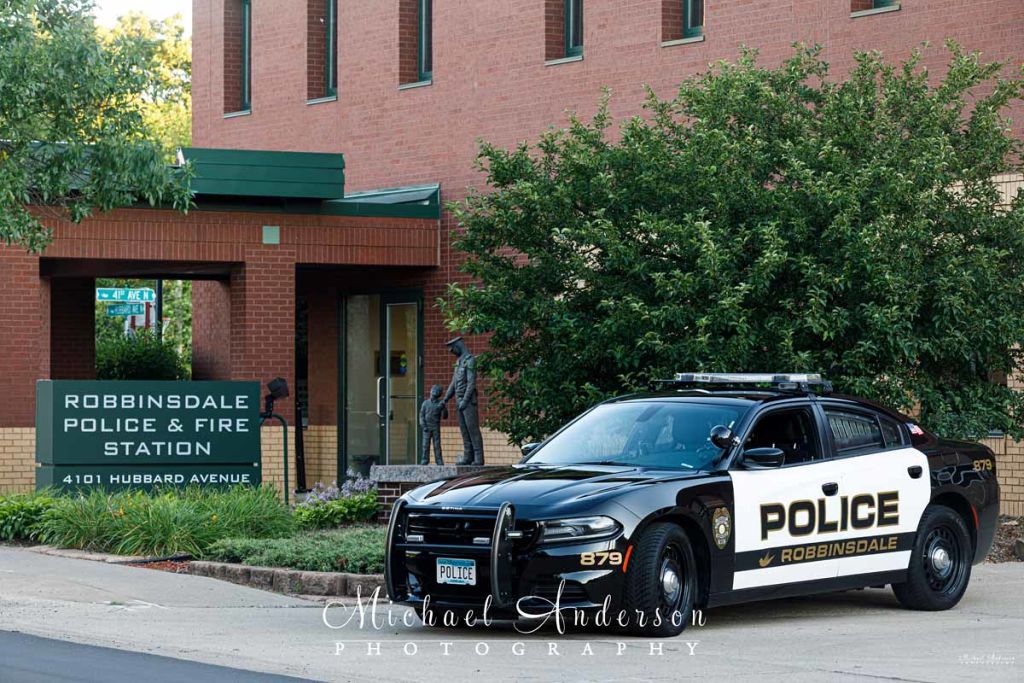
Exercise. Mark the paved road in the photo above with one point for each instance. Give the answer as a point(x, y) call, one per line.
point(860, 635)
point(30, 659)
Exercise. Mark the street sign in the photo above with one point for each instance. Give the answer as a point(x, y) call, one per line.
point(126, 309)
point(119, 294)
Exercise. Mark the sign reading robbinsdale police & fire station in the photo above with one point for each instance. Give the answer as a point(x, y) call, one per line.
point(143, 434)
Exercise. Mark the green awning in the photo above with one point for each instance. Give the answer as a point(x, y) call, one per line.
point(417, 201)
point(266, 174)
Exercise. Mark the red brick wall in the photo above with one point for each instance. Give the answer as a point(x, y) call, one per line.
point(246, 332)
point(491, 82)
point(72, 328)
point(25, 342)
point(408, 41)
point(211, 330)
point(231, 38)
point(316, 48)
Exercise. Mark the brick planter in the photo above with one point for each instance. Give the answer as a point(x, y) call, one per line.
point(393, 481)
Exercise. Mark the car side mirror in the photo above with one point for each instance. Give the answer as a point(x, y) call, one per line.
point(722, 436)
point(763, 458)
point(529, 448)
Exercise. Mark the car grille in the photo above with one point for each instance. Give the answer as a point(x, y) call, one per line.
point(571, 592)
point(453, 529)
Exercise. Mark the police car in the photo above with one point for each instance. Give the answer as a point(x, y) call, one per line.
point(716, 489)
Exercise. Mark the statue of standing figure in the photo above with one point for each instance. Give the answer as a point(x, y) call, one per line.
point(432, 412)
point(463, 388)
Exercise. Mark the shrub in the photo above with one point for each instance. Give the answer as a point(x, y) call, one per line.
point(141, 356)
point(162, 523)
point(358, 508)
point(21, 514)
point(359, 550)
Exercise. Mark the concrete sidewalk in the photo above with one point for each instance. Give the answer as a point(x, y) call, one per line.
point(860, 635)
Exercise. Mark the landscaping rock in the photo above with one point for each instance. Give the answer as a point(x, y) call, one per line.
point(1018, 549)
point(364, 584)
point(262, 577)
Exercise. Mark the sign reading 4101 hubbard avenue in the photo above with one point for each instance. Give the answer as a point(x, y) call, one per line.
point(143, 434)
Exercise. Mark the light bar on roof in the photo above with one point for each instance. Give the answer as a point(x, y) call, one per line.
point(748, 378)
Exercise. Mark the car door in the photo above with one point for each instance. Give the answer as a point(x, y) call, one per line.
point(884, 489)
point(778, 509)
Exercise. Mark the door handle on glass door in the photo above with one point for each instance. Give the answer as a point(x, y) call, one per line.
point(830, 489)
point(380, 411)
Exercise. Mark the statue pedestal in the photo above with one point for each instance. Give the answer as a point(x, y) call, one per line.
point(393, 481)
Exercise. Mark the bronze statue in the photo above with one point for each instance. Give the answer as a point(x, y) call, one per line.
point(463, 388)
point(432, 412)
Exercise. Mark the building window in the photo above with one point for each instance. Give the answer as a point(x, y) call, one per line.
point(869, 5)
point(237, 56)
point(573, 28)
point(415, 41)
point(682, 20)
point(563, 29)
point(693, 18)
point(321, 49)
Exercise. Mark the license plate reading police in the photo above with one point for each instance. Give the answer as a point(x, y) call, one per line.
point(456, 572)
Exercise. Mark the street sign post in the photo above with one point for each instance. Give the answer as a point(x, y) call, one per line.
point(126, 309)
point(125, 294)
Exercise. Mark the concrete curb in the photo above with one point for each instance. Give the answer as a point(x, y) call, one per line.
point(102, 557)
point(291, 581)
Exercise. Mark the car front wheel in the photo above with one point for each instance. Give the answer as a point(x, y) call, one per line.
point(940, 562)
point(661, 582)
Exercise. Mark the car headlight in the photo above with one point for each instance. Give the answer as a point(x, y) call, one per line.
point(578, 529)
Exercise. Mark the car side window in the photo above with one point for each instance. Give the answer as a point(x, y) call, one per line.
point(854, 432)
point(891, 432)
point(790, 430)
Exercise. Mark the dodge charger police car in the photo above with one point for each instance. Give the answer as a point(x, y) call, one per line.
point(717, 489)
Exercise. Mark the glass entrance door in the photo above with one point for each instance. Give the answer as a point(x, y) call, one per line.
point(402, 385)
point(381, 379)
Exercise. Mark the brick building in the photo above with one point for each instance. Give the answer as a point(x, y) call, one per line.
point(404, 89)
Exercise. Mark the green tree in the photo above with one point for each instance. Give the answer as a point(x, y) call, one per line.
point(73, 136)
point(761, 220)
point(166, 102)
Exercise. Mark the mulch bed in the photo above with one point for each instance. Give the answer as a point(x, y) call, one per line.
point(166, 566)
point(1009, 530)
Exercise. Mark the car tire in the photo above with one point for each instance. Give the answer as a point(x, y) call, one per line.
point(661, 583)
point(940, 562)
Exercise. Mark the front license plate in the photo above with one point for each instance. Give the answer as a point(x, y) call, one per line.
point(456, 572)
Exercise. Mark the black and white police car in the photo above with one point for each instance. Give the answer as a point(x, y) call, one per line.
point(717, 489)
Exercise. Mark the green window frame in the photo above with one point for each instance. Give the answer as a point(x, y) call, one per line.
point(331, 43)
point(246, 55)
point(573, 28)
point(425, 49)
point(693, 18)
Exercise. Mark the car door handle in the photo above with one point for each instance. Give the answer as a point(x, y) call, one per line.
point(830, 489)
point(914, 471)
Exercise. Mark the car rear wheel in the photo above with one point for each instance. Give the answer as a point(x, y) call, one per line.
point(940, 562)
point(661, 582)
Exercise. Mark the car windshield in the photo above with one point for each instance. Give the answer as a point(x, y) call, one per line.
point(672, 434)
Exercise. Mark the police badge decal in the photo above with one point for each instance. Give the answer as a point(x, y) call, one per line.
point(721, 526)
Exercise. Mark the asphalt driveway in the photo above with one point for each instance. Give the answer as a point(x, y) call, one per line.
point(859, 635)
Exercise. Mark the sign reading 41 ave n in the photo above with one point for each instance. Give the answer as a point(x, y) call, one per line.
point(144, 434)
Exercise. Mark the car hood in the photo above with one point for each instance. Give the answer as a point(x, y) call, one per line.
point(545, 490)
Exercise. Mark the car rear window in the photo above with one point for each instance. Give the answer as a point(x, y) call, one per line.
point(854, 431)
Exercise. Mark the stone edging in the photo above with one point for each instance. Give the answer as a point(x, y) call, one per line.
point(291, 581)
